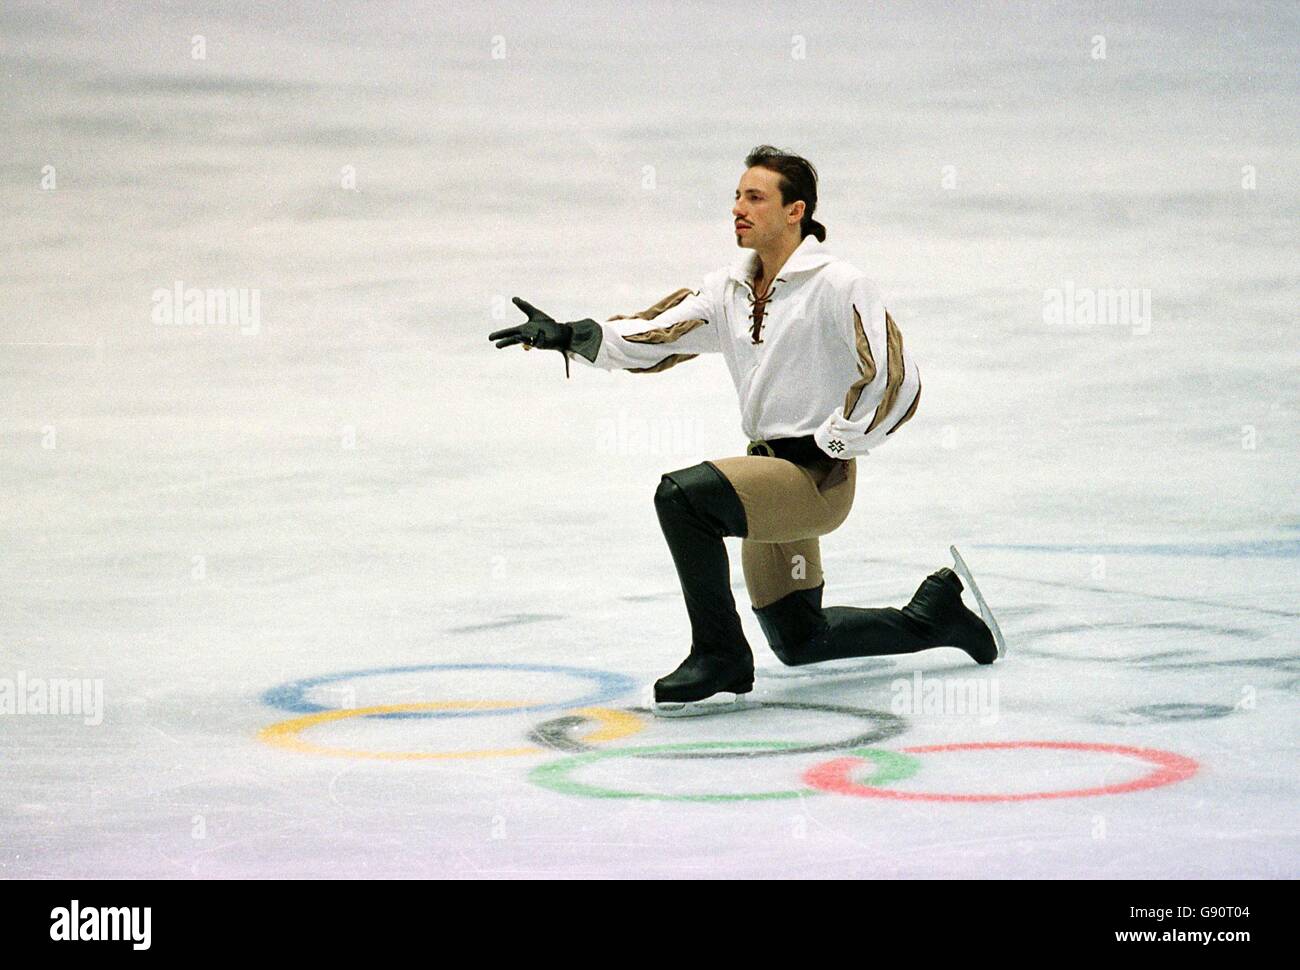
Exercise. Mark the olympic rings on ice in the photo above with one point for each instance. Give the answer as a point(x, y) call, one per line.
point(292, 697)
point(836, 776)
point(890, 766)
point(614, 725)
point(555, 733)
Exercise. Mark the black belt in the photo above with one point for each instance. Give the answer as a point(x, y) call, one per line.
point(801, 451)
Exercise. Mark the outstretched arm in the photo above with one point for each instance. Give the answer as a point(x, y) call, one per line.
point(675, 329)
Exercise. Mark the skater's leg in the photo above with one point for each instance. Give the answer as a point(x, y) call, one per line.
point(776, 569)
point(697, 507)
point(785, 585)
point(783, 501)
point(779, 509)
point(800, 631)
point(786, 511)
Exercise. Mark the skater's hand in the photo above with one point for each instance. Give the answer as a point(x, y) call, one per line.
point(839, 472)
point(540, 331)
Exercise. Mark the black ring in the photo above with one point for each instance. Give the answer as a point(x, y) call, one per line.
point(556, 733)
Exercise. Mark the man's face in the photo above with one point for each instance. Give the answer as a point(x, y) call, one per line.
point(758, 215)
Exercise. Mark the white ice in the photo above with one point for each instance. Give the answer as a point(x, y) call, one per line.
point(194, 515)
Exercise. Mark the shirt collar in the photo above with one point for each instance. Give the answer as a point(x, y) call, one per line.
point(810, 254)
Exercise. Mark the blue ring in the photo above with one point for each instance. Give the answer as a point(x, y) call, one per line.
point(292, 697)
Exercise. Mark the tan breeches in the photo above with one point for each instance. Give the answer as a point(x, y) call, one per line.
point(786, 513)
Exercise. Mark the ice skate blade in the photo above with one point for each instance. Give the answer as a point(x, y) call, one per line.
point(986, 614)
point(722, 703)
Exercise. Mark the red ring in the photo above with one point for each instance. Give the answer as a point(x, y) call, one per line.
point(833, 776)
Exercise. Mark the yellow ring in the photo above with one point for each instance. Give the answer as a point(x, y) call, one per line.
point(286, 734)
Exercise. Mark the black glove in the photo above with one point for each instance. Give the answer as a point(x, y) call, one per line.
point(540, 331)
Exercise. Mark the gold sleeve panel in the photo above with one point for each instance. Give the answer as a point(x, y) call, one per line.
point(866, 366)
point(667, 303)
point(910, 411)
point(660, 335)
point(664, 335)
point(894, 375)
point(670, 361)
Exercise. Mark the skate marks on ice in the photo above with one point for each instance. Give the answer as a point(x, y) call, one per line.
point(881, 668)
point(1270, 548)
point(514, 619)
point(1156, 713)
point(1141, 657)
point(671, 595)
point(1101, 642)
point(1122, 591)
point(1077, 587)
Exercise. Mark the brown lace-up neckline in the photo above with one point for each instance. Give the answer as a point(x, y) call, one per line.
point(758, 305)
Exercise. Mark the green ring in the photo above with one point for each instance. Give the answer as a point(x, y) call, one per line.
point(891, 766)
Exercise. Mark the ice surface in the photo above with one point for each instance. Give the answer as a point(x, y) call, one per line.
point(194, 516)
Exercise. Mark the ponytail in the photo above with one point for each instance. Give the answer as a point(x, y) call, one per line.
point(811, 227)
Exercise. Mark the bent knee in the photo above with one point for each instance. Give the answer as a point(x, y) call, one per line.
point(703, 491)
point(669, 493)
point(792, 623)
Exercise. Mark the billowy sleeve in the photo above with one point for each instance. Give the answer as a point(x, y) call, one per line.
point(680, 326)
point(888, 387)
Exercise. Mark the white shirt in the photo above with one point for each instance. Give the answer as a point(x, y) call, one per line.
point(829, 360)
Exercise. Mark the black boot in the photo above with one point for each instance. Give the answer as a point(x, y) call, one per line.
point(938, 607)
point(800, 631)
point(702, 675)
point(697, 506)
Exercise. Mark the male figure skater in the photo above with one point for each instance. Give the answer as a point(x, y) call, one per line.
point(823, 378)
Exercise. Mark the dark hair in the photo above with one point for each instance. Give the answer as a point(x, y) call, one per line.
point(798, 183)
